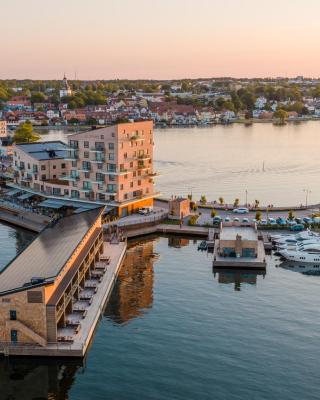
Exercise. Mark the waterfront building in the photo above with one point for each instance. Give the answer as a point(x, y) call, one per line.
point(42, 290)
point(179, 207)
point(111, 165)
point(66, 90)
point(239, 246)
point(39, 165)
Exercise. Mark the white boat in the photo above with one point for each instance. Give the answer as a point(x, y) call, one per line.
point(307, 254)
point(298, 236)
point(297, 245)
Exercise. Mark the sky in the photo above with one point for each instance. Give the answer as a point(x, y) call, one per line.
point(159, 39)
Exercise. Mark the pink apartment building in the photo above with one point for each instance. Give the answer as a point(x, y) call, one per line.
point(111, 165)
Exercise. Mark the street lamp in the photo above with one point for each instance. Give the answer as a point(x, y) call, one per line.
point(307, 192)
point(246, 197)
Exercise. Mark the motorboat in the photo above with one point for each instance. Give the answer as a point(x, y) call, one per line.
point(297, 245)
point(307, 254)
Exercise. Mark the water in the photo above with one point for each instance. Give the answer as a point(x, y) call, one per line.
point(273, 163)
point(12, 241)
point(175, 329)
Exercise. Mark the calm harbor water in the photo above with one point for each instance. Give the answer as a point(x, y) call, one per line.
point(273, 163)
point(12, 241)
point(176, 329)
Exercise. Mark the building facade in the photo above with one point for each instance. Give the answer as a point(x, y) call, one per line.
point(36, 298)
point(111, 165)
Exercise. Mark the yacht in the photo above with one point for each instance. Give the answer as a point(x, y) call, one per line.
point(299, 236)
point(306, 254)
point(297, 245)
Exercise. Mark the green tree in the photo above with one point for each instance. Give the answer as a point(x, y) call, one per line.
point(258, 215)
point(290, 215)
point(236, 202)
point(256, 203)
point(38, 97)
point(281, 115)
point(24, 134)
point(203, 200)
point(221, 200)
point(214, 213)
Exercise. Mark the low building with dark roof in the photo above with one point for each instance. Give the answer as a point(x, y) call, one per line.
point(40, 287)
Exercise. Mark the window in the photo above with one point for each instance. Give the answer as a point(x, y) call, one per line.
point(111, 167)
point(54, 166)
point(28, 166)
point(57, 191)
point(86, 144)
point(66, 192)
point(121, 186)
point(73, 164)
point(63, 166)
point(14, 335)
point(87, 175)
point(54, 176)
point(86, 154)
point(131, 164)
point(43, 177)
point(74, 194)
point(13, 315)
point(43, 167)
point(125, 155)
point(111, 146)
point(99, 146)
point(87, 185)
point(131, 184)
point(100, 165)
point(139, 182)
point(35, 168)
point(111, 188)
point(99, 177)
point(111, 156)
point(112, 178)
point(86, 165)
point(74, 144)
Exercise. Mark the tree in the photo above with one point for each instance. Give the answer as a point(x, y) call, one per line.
point(256, 203)
point(258, 215)
point(203, 200)
point(290, 215)
point(221, 200)
point(38, 97)
point(236, 202)
point(24, 134)
point(281, 115)
point(214, 213)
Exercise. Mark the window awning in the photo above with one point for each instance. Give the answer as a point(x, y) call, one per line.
point(51, 204)
point(25, 196)
point(12, 192)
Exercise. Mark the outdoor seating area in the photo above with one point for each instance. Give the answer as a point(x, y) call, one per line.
point(80, 307)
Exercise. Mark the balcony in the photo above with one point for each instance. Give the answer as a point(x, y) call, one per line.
point(97, 149)
point(144, 157)
point(69, 177)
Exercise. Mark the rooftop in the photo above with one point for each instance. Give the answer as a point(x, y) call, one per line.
point(45, 150)
point(46, 256)
point(231, 232)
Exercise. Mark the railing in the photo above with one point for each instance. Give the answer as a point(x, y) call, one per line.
point(140, 220)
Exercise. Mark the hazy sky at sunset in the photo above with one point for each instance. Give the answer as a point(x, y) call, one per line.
point(105, 39)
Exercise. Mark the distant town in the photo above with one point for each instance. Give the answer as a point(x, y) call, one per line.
point(167, 103)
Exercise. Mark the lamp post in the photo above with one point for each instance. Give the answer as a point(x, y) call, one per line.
point(246, 197)
point(307, 192)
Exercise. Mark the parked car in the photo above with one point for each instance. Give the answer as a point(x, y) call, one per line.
point(236, 219)
point(299, 220)
point(281, 221)
point(297, 228)
point(291, 222)
point(245, 220)
point(227, 219)
point(307, 220)
point(145, 210)
point(217, 219)
point(263, 222)
point(241, 210)
point(272, 221)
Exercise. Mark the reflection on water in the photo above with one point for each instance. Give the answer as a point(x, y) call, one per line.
point(177, 242)
point(237, 277)
point(303, 268)
point(133, 291)
point(33, 379)
point(12, 241)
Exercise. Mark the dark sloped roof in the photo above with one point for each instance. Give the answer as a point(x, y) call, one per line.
point(45, 150)
point(49, 252)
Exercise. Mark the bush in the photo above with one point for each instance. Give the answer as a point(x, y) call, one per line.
point(193, 220)
point(203, 200)
point(258, 215)
point(290, 215)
